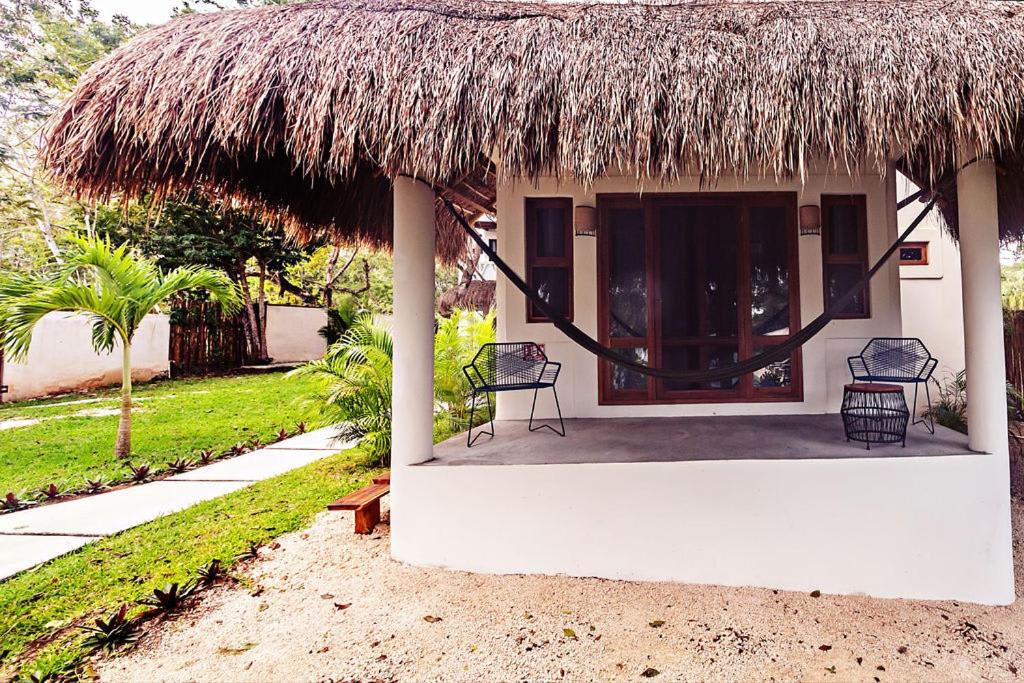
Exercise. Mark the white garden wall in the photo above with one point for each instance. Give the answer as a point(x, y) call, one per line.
point(292, 333)
point(61, 357)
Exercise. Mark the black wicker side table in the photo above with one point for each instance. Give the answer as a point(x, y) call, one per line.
point(875, 413)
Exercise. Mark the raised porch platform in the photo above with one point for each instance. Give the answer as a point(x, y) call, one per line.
point(686, 439)
point(781, 502)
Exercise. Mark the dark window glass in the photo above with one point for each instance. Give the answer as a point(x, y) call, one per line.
point(552, 284)
point(769, 271)
point(627, 273)
point(624, 379)
point(700, 358)
point(840, 278)
point(550, 232)
point(843, 229)
point(778, 375)
point(698, 271)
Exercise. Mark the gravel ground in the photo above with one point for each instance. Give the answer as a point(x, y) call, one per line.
point(327, 605)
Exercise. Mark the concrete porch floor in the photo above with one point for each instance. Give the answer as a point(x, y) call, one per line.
point(680, 439)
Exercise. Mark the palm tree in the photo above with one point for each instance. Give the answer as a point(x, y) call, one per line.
point(355, 392)
point(116, 290)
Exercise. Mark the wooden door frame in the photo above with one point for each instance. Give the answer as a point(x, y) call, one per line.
point(746, 342)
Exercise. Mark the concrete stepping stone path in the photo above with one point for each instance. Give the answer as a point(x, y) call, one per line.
point(36, 535)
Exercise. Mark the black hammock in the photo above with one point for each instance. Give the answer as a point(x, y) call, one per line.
point(760, 361)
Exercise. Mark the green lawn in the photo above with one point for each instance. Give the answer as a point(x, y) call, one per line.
point(51, 599)
point(171, 419)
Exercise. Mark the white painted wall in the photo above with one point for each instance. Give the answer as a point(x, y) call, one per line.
point(61, 357)
point(888, 527)
point(292, 333)
point(824, 357)
point(931, 302)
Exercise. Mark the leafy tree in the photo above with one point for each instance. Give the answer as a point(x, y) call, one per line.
point(45, 45)
point(200, 232)
point(116, 290)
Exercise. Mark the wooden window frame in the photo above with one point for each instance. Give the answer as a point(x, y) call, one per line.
point(923, 261)
point(860, 203)
point(530, 205)
point(655, 393)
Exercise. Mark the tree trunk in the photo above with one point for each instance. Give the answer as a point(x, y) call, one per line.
point(262, 311)
point(123, 447)
point(251, 325)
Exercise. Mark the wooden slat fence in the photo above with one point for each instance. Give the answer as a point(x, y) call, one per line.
point(1014, 342)
point(203, 341)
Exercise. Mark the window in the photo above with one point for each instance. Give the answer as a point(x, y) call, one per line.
point(914, 254)
point(549, 255)
point(844, 246)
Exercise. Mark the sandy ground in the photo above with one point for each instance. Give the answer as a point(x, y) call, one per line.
point(330, 606)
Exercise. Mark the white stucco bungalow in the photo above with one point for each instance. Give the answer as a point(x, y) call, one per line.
point(695, 132)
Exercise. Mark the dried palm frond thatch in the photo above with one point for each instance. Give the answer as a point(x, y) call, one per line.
point(306, 111)
point(475, 295)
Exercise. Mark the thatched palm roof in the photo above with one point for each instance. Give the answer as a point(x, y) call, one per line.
point(475, 295)
point(307, 110)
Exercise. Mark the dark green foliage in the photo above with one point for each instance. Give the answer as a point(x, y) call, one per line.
point(111, 633)
point(950, 408)
point(339, 319)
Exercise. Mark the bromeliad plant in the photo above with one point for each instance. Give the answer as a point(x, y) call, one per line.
point(116, 289)
point(170, 597)
point(111, 633)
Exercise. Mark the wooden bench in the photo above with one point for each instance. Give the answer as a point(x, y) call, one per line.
point(366, 503)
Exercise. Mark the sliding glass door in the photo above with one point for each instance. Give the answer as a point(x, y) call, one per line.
point(692, 282)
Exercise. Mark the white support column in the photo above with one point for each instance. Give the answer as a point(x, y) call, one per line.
point(413, 383)
point(983, 314)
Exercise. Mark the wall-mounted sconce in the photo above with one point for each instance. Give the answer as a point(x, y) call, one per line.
point(810, 219)
point(585, 221)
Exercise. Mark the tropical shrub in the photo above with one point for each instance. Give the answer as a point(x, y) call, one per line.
point(356, 381)
point(950, 408)
point(356, 378)
point(458, 339)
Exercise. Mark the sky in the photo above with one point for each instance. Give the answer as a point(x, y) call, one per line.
point(139, 11)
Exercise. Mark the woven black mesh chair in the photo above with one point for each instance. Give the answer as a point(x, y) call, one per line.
point(511, 366)
point(897, 359)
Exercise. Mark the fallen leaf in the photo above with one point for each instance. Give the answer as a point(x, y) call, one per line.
point(382, 658)
point(815, 594)
point(880, 668)
point(342, 605)
point(569, 633)
point(431, 619)
point(657, 623)
point(324, 649)
point(902, 649)
point(472, 648)
point(650, 672)
point(327, 596)
point(860, 660)
point(263, 606)
point(527, 615)
point(235, 650)
point(830, 669)
point(824, 648)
